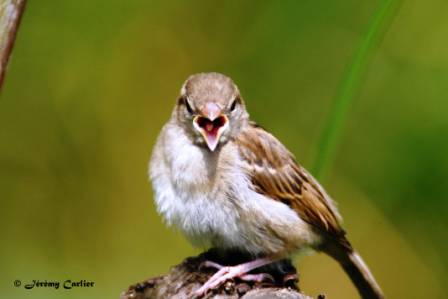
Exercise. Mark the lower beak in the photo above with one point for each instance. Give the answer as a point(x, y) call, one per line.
point(211, 131)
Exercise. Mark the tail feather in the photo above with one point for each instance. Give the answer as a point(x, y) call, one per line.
point(357, 270)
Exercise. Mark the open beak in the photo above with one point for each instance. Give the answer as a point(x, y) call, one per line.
point(211, 125)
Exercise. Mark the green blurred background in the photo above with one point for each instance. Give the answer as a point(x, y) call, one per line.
point(91, 83)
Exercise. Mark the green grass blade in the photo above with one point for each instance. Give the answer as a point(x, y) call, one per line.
point(328, 141)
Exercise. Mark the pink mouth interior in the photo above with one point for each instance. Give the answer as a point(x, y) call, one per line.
point(211, 127)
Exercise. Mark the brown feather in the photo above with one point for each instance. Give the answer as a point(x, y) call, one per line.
point(275, 174)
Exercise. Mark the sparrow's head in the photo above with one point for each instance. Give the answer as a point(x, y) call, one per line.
point(211, 109)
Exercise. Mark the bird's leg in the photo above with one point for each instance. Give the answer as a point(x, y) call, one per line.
point(260, 277)
point(210, 264)
point(241, 271)
point(246, 277)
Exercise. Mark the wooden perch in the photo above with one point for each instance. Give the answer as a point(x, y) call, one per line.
point(188, 276)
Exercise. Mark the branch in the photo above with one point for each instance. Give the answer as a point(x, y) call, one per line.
point(10, 14)
point(188, 276)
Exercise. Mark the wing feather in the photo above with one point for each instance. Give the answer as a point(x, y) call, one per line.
point(275, 174)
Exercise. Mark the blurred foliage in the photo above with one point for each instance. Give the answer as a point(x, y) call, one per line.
point(91, 83)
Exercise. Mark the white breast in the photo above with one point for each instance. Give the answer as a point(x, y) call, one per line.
point(210, 199)
point(186, 193)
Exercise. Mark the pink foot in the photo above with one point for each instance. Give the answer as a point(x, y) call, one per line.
point(258, 277)
point(210, 264)
point(240, 271)
point(293, 277)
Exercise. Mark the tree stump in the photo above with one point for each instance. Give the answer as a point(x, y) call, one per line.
point(185, 278)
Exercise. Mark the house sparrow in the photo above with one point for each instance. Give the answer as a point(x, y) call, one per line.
point(226, 182)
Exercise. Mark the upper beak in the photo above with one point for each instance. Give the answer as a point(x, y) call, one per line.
point(211, 124)
point(211, 111)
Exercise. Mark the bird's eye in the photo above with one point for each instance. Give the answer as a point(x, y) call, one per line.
point(233, 106)
point(187, 105)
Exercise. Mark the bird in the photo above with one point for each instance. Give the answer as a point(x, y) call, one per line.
point(226, 182)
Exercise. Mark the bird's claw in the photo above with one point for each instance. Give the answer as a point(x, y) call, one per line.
point(210, 264)
point(260, 277)
point(226, 273)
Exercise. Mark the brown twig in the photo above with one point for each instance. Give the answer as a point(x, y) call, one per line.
point(188, 276)
point(11, 12)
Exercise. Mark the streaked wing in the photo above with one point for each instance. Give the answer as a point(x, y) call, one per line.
point(275, 174)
